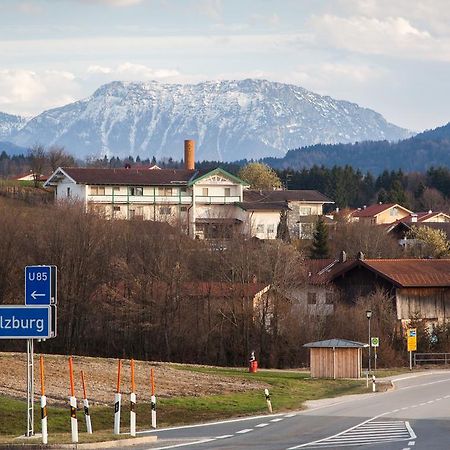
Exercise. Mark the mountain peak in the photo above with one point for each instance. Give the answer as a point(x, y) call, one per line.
point(229, 119)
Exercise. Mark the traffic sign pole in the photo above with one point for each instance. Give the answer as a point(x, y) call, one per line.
point(30, 388)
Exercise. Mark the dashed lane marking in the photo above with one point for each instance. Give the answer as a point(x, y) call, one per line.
point(277, 420)
point(261, 425)
point(224, 436)
point(245, 430)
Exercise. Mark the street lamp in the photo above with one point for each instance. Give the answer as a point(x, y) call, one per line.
point(369, 315)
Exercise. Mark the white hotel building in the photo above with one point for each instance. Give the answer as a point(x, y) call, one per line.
point(207, 205)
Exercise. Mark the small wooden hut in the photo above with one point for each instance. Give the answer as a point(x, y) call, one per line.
point(336, 358)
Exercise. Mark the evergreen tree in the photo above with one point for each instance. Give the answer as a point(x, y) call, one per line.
point(283, 228)
point(319, 247)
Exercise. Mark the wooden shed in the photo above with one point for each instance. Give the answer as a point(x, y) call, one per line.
point(336, 358)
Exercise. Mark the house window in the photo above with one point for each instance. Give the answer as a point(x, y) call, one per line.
point(260, 228)
point(227, 192)
point(183, 208)
point(116, 189)
point(329, 298)
point(312, 298)
point(205, 192)
point(69, 194)
point(134, 190)
point(270, 229)
point(116, 208)
point(165, 191)
point(183, 189)
point(305, 211)
point(165, 210)
point(97, 190)
point(394, 211)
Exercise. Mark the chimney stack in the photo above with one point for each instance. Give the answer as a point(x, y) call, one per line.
point(413, 217)
point(189, 154)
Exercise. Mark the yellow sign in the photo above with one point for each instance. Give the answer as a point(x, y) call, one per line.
point(412, 339)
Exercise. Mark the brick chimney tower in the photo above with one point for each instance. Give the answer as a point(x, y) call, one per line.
point(189, 154)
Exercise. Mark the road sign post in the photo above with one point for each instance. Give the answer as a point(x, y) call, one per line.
point(412, 343)
point(40, 285)
point(375, 343)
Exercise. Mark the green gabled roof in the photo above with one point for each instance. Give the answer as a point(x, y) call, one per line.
point(199, 176)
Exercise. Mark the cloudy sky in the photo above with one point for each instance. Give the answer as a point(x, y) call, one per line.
point(389, 55)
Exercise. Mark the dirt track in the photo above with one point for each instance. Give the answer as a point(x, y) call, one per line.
point(101, 376)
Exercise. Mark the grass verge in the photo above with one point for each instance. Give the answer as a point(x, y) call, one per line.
point(289, 390)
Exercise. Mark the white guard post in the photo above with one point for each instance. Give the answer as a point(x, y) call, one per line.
point(44, 419)
point(269, 403)
point(132, 402)
point(43, 403)
point(117, 402)
point(374, 388)
point(117, 406)
point(87, 416)
point(153, 406)
point(133, 414)
point(153, 398)
point(73, 405)
point(73, 419)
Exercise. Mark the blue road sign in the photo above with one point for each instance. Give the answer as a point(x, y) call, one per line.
point(25, 322)
point(40, 285)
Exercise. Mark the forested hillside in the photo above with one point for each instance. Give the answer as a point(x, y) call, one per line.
point(419, 153)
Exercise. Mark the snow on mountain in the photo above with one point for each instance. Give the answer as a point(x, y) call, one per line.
point(10, 124)
point(229, 120)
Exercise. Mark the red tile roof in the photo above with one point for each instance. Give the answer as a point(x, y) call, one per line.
point(400, 272)
point(374, 210)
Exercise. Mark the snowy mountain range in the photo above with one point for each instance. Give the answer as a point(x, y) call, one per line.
point(229, 120)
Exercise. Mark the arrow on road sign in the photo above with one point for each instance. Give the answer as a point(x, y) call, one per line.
point(34, 294)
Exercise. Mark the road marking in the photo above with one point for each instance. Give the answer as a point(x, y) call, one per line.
point(290, 415)
point(411, 443)
point(203, 441)
point(260, 425)
point(277, 420)
point(224, 436)
point(368, 432)
point(245, 430)
point(220, 422)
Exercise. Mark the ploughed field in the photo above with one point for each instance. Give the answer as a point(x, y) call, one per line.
point(101, 379)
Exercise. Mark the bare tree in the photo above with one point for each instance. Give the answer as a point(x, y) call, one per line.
point(58, 157)
point(38, 162)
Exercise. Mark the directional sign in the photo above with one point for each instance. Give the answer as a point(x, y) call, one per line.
point(40, 285)
point(412, 339)
point(25, 322)
point(375, 341)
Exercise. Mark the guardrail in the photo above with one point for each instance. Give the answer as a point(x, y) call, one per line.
point(431, 358)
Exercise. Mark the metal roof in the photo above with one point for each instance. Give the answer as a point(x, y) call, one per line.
point(336, 343)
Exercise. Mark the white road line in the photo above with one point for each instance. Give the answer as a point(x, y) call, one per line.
point(207, 424)
point(224, 436)
point(203, 441)
point(277, 420)
point(260, 425)
point(411, 443)
point(245, 430)
point(411, 432)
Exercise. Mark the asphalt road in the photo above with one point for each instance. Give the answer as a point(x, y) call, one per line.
point(416, 415)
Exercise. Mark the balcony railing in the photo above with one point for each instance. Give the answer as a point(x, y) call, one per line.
point(217, 199)
point(147, 199)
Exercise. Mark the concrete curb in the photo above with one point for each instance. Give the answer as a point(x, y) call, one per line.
point(119, 443)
